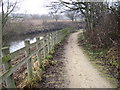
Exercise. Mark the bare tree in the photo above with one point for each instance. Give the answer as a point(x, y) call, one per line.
point(55, 10)
point(0, 36)
point(7, 8)
point(72, 15)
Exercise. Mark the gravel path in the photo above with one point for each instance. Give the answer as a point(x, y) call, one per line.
point(79, 72)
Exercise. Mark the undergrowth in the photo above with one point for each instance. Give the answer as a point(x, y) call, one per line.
point(102, 60)
point(46, 62)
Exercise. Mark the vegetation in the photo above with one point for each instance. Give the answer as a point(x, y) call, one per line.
point(55, 10)
point(108, 68)
point(71, 15)
point(7, 8)
point(102, 31)
point(100, 37)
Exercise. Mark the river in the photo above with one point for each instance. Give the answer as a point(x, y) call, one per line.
point(17, 42)
point(16, 45)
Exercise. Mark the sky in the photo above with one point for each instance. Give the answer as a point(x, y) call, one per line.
point(34, 6)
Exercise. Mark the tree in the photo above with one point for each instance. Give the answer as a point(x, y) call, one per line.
point(97, 15)
point(55, 10)
point(92, 11)
point(7, 8)
point(102, 29)
point(71, 15)
point(0, 37)
point(35, 16)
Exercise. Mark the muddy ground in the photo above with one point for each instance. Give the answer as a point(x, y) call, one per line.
point(53, 77)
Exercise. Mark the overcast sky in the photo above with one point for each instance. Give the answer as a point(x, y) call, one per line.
point(34, 6)
point(37, 6)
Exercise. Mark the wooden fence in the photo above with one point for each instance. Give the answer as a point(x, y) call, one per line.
point(46, 44)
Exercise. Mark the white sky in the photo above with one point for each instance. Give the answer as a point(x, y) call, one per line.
point(34, 6)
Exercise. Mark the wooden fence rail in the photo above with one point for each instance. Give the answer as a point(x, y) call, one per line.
point(46, 44)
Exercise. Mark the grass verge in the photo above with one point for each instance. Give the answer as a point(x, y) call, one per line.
point(98, 59)
point(49, 61)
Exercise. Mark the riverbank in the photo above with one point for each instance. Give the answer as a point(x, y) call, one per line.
point(19, 30)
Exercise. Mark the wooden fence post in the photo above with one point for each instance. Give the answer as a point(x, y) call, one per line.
point(53, 38)
point(57, 37)
point(60, 36)
point(7, 65)
point(48, 40)
point(52, 42)
point(39, 52)
point(44, 48)
point(1, 43)
point(29, 62)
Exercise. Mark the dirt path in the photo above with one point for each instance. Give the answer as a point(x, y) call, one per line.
point(79, 72)
point(73, 69)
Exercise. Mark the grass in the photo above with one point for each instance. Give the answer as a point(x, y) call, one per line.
point(28, 83)
point(97, 59)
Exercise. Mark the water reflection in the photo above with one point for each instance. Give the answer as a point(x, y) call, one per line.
point(16, 45)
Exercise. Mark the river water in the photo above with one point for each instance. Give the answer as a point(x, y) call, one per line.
point(16, 45)
point(17, 42)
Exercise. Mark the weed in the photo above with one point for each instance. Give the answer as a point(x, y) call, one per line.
point(98, 57)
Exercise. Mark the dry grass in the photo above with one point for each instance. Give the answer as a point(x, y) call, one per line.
point(27, 25)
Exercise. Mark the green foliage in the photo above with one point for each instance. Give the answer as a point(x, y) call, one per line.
point(6, 58)
point(51, 52)
point(30, 83)
point(45, 63)
point(53, 62)
point(66, 30)
point(48, 56)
